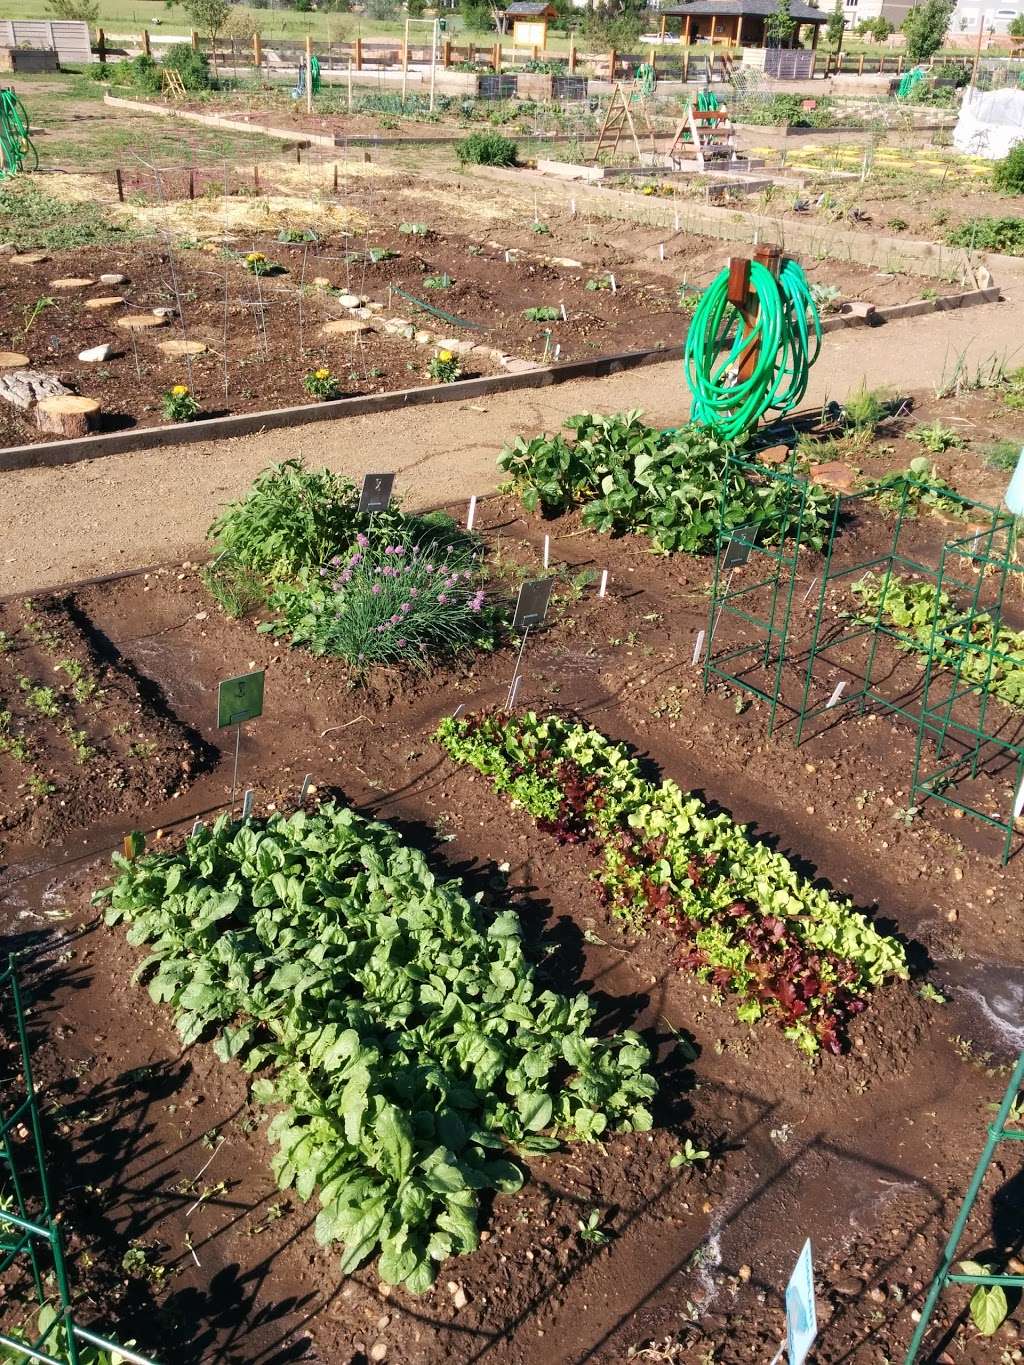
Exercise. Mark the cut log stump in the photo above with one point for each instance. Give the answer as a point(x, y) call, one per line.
point(67, 415)
point(12, 360)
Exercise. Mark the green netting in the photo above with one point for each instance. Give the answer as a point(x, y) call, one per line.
point(439, 312)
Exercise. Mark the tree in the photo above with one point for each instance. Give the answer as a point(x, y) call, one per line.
point(835, 27)
point(925, 28)
point(86, 10)
point(780, 25)
point(208, 16)
point(1016, 29)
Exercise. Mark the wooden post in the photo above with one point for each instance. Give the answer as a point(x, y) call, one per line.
point(145, 43)
point(572, 54)
point(714, 26)
point(350, 85)
point(193, 38)
point(739, 30)
point(335, 177)
point(120, 185)
point(899, 65)
point(687, 31)
point(977, 50)
point(256, 178)
point(298, 154)
point(359, 54)
point(653, 60)
point(191, 183)
point(739, 294)
point(446, 53)
point(257, 52)
point(815, 34)
point(309, 73)
point(686, 61)
point(612, 58)
point(860, 65)
point(661, 31)
point(405, 60)
point(101, 45)
point(496, 58)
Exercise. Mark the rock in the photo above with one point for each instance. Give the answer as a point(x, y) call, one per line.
point(113, 279)
point(72, 282)
point(567, 261)
point(363, 312)
point(460, 1298)
point(744, 1273)
point(423, 338)
point(94, 354)
point(379, 1350)
point(455, 345)
point(105, 301)
point(774, 455)
point(849, 1286)
point(857, 308)
point(984, 277)
point(23, 388)
point(394, 325)
point(164, 312)
point(182, 347)
point(834, 474)
point(344, 327)
point(516, 366)
point(349, 300)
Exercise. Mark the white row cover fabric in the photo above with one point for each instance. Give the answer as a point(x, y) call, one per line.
point(990, 123)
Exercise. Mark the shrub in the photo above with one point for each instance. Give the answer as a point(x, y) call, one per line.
point(486, 149)
point(321, 384)
point(192, 66)
point(401, 602)
point(990, 234)
point(142, 72)
point(1008, 174)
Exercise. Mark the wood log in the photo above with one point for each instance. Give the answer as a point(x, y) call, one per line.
point(67, 415)
point(141, 322)
point(12, 360)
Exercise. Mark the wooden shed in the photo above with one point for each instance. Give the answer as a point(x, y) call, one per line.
point(529, 21)
point(739, 23)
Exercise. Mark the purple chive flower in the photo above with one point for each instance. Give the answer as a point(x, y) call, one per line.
point(346, 575)
point(395, 619)
point(323, 573)
point(334, 561)
point(355, 559)
point(399, 549)
point(477, 600)
point(401, 642)
point(361, 540)
point(442, 598)
point(375, 589)
point(414, 592)
point(406, 606)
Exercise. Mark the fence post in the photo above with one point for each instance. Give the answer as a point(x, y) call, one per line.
point(899, 65)
point(101, 45)
point(496, 59)
point(359, 54)
point(611, 64)
point(860, 65)
point(446, 53)
point(257, 53)
point(120, 185)
point(145, 43)
point(572, 54)
point(686, 64)
point(193, 38)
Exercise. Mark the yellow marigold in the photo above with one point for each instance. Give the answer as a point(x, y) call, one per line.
point(255, 256)
point(180, 390)
point(444, 355)
point(321, 374)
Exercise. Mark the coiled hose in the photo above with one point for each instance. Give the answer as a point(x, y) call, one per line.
point(706, 101)
point(16, 147)
point(787, 339)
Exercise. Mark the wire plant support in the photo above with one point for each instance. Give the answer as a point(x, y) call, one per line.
point(29, 1232)
point(1006, 1128)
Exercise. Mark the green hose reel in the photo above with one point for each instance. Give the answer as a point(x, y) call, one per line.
point(16, 147)
point(742, 361)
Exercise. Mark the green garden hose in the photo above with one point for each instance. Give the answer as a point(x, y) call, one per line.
point(645, 80)
point(786, 336)
point(314, 73)
point(908, 80)
point(706, 101)
point(16, 147)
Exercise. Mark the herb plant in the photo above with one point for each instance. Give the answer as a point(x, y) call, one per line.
point(321, 384)
point(398, 1029)
point(919, 486)
point(486, 149)
point(444, 367)
point(742, 916)
point(178, 404)
point(444, 281)
point(545, 313)
point(937, 438)
point(258, 264)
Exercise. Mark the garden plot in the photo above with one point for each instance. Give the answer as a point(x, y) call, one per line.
point(605, 1245)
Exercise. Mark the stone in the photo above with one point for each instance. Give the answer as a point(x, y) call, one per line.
point(349, 300)
point(94, 354)
point(423, 338)
point(460, 1298)
point(379, 1350)
point(395, 325)
point(455, 345)
point(321, 282)
point(164, 312)
point(104, 301)
point(113, 279)
point(857, 308)
point(835, 474)
point(23, 388)
point(72, 282)
point(516, 366)
point(363, 312)
point(849, 1287)
point(29, 258)
point(344, 327)
point(774, 455)
point(567, 261)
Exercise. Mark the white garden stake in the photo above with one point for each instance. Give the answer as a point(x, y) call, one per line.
point(832, 701)
point(661, 250)
point(547, 550)
point(612, 279)
point(564, 318)
point(558, 349)
point(572, 207)
point(471, 514)
point(602, 590)
point(698, 646)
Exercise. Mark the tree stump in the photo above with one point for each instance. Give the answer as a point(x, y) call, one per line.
point(67, 415)
point(12, 360)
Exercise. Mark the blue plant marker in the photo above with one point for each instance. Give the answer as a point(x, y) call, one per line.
point(801, 1315)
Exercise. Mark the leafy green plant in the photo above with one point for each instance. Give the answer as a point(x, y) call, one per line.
point(487, 149)
point(865, 409)
point(665, 483)
point(741, 916)
point(191, 65)
point(414, 229)
point(989, 1307)
point(591, 1230)
point(545, 313)
point(1008, 174)
point(1003, 454)
point(827, 297)
point(444, 367)
point(42, 700)
point(237, 589)
point(178, 405)
point(50, 1330)
point(598, 284)
point(990, 234)
point(403, 602)
point(919, 485)
point(400, 1032)
point(320, 383)
point(990, 656)
point(540, 229)
point(688, 1155)
point(937, 438)
point(444, 281)
point(30, 315)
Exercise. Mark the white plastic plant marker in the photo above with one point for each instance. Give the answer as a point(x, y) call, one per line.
point(513, 692)
point(661, 250)
point(558, 349)
point(613, 284)
point(572, 207)
point(1014, 495)
point(677, 220)
point(460, 707)
point(564, 318)
point(547, 551)
point(698, 646)
point(197, 827)
point(833, 700)
point(307, 782)
point(801, 1314)
point(1018, 804)
point(471, 514)
point(810, 587)
point(247, 800)
point(508, 258)
point(603, 589)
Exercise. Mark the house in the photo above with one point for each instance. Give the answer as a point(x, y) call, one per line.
point(738, 23)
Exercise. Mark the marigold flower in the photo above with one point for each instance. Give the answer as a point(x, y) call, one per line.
point(180, 390)
point(445, 355)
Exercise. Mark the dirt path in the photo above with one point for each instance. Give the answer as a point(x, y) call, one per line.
point(124, 511)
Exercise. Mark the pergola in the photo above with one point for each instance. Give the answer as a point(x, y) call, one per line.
point(739, 23)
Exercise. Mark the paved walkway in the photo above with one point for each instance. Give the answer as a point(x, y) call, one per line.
point(125, 511)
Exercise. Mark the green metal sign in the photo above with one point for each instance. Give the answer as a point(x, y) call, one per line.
point(240, 699)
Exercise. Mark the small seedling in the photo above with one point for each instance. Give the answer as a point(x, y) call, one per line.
point(928, 992)
point(414, 229)
point(937, 438)
point(437, 281)
point(31, 314)
point(541, 229)
point(542, 314)
point(688, 1155)
point(591, 1230)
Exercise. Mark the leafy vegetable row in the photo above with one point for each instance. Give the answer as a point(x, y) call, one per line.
point(668, 483)
point(914, 607)
point(743, 917)
point(400, 1028)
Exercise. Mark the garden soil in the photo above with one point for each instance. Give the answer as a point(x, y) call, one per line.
point(868, 1153)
